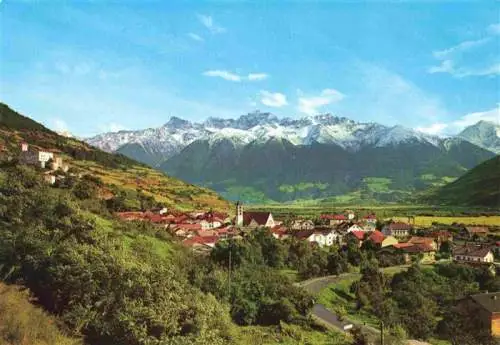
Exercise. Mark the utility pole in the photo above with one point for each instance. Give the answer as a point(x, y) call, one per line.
point(381, 332)
point(229, 274)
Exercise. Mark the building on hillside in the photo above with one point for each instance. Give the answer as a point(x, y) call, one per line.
point(473, 254)
point(302, 224)
point(397, 229)
point(484, 307)
point(34, 156)
point(423, 240)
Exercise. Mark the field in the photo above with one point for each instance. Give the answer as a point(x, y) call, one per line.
point(426, 221)
point(468, 215)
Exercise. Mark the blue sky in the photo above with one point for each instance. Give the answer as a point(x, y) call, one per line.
point(94, 66)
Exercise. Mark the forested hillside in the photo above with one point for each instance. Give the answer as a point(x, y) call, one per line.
point(478, 187)
point(121, 176)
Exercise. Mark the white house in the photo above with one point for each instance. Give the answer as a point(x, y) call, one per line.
point(473, 254)
point(322, 238)
point(397, 229)
point(210, 224)
point(355, 227)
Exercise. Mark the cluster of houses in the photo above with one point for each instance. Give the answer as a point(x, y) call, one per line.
point(202, 230)
point(45, 159)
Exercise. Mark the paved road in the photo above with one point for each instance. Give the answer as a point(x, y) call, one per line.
point(315, 285)
point(328, 317)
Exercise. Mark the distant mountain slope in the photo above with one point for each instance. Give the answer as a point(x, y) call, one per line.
point(484, 134)
point(115, 170)
point(480, 186)
point(281, 171)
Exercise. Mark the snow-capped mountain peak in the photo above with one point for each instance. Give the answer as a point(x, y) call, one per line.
point(259, 127)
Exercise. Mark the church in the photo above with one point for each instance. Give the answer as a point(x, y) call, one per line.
point(253, 220)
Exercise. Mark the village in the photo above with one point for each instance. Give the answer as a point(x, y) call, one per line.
point(202, 231)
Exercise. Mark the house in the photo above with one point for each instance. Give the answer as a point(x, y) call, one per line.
point(367, 226)
point(441, 237)
point(397, 229)
point(487, 310)
point(424, 251)
point(358, 236)
point(473, 254)
point(279, 232)
point(302, 224)
point(208, 241)
point(325, 237)
point(423, 240)
point(334, 219)
point(350, 214)
point(355, 227)
point(370, 218)
point(478, 231)
point(34, 156)
point(382, 241)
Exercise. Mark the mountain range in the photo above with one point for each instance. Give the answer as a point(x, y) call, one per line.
point(259, 157)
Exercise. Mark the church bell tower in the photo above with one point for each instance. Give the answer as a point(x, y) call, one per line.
point(239, 214)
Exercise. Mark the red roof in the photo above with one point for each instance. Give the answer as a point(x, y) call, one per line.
point(186, 226)
point(370, 216)
point(418, 248)
point(200, 240)
point(399, 226)
point(260, 217)
point(360, 235)
point(421, 240)
point(377, 237)
point(279, 230)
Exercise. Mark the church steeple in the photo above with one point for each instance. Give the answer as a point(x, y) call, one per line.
point(239, 214)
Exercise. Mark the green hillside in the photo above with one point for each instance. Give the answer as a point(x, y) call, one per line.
point(478, 187)
point(119, 173)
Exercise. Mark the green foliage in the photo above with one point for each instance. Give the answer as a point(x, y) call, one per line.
point(98, 285)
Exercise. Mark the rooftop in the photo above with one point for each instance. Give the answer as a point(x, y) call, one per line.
point(489, 301)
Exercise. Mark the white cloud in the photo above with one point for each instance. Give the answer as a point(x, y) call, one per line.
point(111, 127)
point(195, 37)
point(209, 23)
point(461, 47)
point(257, 76)
point(459, 60)
point(445, 67)
point(226, 75)
point(454, 127)
point(434, 129)
point(494, 29)
point(312, 105)
point(492, 115)
point(58, 125)
point(273, 99)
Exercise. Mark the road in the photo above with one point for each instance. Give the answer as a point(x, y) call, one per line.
point(319, 311)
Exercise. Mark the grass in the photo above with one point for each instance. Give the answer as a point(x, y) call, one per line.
point(22, 323)
point(337, 296)
point(287, 335)
point(293, 275)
